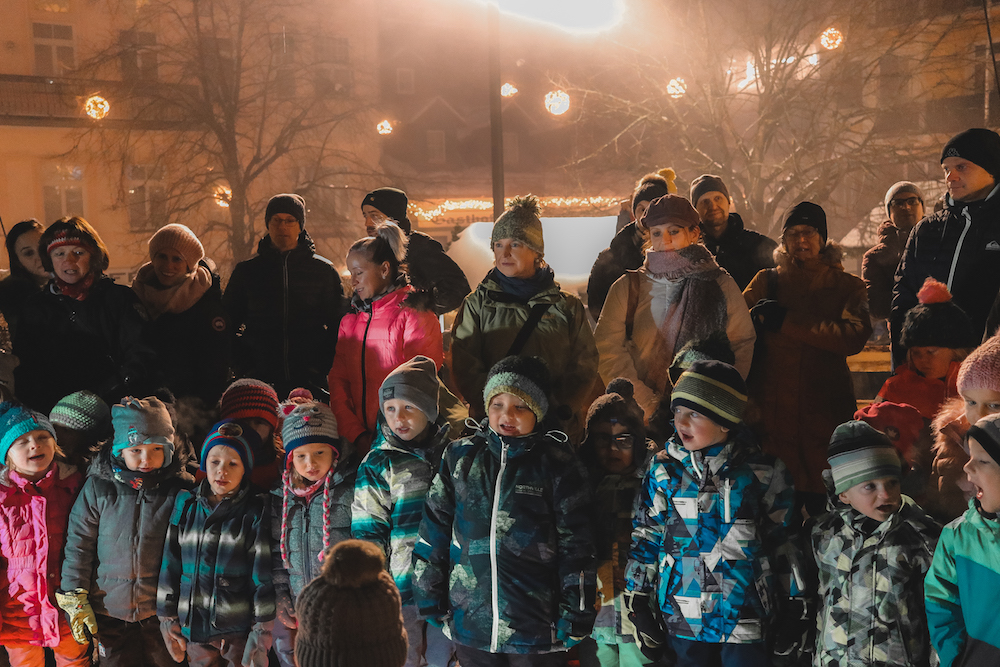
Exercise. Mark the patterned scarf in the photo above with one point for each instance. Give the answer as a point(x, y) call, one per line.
point(79, 290)
point(133, 478)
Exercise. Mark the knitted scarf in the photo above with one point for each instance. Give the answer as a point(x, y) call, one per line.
point(160, 300)
point(79, 290)
point(133, 478)
point(287, 491)
point(524, 288)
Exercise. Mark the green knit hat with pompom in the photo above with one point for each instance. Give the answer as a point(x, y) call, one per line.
point(520, 222)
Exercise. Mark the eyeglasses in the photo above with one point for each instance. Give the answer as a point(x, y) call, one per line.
point(803, 234)
point(619, 442)
point(905, 203)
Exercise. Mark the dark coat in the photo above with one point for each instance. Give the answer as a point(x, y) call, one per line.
point(15, 290)
point(67, 345)
point(624, 254)
point(285, 309)
point(741, 251)
point(878, 268)
point(432, 271)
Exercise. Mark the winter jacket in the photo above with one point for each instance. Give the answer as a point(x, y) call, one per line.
point(878, 268)
point(486, 326)
point(284, 308)
point(924, 393)
point(871, 587)
point(960, 246)
point(949, 487)
point(961, 592)
point(638, 358)
point(505, 554)
point(432, 271)
point(624, 254)
point(114, 543)
point(67, 345)
point(33, 520)
point(378, 336)
point(800, 385)
point(711, 540)
point(389, 498)
point(740, 251)
point(304, 525)
point(15, 290)
point(216, 571)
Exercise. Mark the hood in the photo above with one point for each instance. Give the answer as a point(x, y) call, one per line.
point(265, 248)
point(741, 444)
point(832, 255)
point(387, 441)
point(949, 425)
point(100, 467)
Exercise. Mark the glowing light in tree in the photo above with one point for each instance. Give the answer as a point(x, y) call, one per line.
point(222, 195)
point(831, 39)
point(385, 127)
point(813, 59)
point(557, 102)
point(676, 88)
point(508, 90)
point(606, 205)
point(96, 107)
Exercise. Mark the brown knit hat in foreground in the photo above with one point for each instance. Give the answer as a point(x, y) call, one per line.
point(350, 616)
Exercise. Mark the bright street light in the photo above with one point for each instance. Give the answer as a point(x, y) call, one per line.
point(385, 127)
point(676, 88)
point(557, 102)
point(96, 107)
point(508, 90)
point(577, 16)
point(831, 39)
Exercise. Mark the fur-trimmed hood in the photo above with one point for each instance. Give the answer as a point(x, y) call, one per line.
point(100, 467)
point(832, 254)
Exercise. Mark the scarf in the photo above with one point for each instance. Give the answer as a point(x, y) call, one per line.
point(160, 300)
point(524, 288)
point(79, 290)
point(133, 478)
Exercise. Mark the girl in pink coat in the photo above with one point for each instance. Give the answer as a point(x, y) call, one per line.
point(388, 325)
point(36, 494)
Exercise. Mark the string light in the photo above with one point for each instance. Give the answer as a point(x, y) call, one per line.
point(602, 204)
point(831, 39)
point(222, 195)
point(557, 102)
point(385, 127)
point(508, 90)
point(96, 107)
point(676, 88)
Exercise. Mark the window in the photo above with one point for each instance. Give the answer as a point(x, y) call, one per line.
point(436, 146)
point(404, 81)
point(511, 149)
point(54, 6)
point(54, 54)
point(62, 193)
point(334, 81)
point(146, 198)
point(138, 56)
point(282, 50)
point(218, 53)
point(332, 50)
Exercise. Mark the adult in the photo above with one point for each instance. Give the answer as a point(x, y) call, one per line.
point(740, 251)
point(960, 245)
point(27, 275)
point(285, 305)
point(810, 316)
point(626, 250)
point(429, 268)
point(83, 331)
point(188, 327)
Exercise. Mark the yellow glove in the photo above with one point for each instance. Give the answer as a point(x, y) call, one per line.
point(81, 615)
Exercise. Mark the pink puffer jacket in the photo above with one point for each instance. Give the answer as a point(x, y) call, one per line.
point(33, 521)
point(369, 347)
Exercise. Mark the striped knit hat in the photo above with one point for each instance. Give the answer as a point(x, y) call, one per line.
point(82, 411)
point(858, 453)
point(986, 431)
point(15, 421)
point(230, 434)
point(248, 398)
point(714, 389)
point(524, 377)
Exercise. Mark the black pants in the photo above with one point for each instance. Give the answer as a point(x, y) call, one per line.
point(470, 657)
point(124, 644)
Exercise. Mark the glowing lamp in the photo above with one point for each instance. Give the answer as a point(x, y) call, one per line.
point(222, 196)
point(508, 90)
point(831, 39)
point(557, 102)
point(676, 88)
point(96, 107)
point(385, 127)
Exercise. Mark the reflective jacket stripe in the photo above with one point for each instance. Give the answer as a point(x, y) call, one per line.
point(494, 571)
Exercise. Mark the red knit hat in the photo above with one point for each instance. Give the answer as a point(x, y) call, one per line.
point(249, 398)
point(900, 422)
point(981, 369)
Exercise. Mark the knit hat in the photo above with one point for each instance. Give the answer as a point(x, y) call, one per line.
point(653, 186)
point(981, 369)
point(142, 421)
point(350, 614)
point(986, 431)
point(707, 183)
point(979, 146)
point(230, 434)
point(670, 209)
point(805, 213)
point(82, 411)
point(521, 222)
point(899, 188)
point(15, 421)
point(715, 347)
point(308, 423)
point(858, 453)
point(524, 377)
point(392, 202)
point(936, 321)
point(291, 204)
point(416, 382)
point(714, 389)
point(618, 405)
point(248, 398)
point(181, 239)
point(901, 423)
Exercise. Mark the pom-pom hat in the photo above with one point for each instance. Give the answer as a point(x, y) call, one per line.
point(524, 377)
point(520, 222)
point(229, 433)
point(654, 186)
point(936, 321)
point(308, 423)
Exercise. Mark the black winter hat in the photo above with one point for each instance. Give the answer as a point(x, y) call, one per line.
point(936, 321)
point(291, 204)
point(805, 213)
point(392, 202)
point(653, 186)
point(618, 404)
point(979, 146)
point(707, 183)
point(524, 377)
point(986, 431)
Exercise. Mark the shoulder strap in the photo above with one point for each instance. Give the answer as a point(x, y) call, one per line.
point(633, 302)
point(534, 317)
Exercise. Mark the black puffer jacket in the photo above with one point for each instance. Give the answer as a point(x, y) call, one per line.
point(878, 268)
point(285, 309)
point(741, 251)
point(624, 254)
point(432, 271)
point(15, 290)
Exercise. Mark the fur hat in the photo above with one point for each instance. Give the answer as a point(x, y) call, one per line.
point(83, 411)
point(981, 369)
point(670, 209)
point(142, 421)
point(521, 222)
point(181, 239)
point(936, 321)
point(416, 382)
point(986, 431)
point(350, 615)
point(524, 377)
point(858, 453)
point(249, 398)
point(805, 213)
point(714, 389)
point(977, 145)
point(308, 423)
point(653, 186)
point(228, 433)
point(15, 421)
point(292, 204)
point(901, 423)
point(618, 406)
point(707, 183)
point(392, 202)
point(899, 188)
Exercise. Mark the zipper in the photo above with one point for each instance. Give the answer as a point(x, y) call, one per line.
point(958, 248)
point(494, 518)
point(284, 320)
point(364, 378)
point(135, 552)
point(583, 593)
point(729, 512)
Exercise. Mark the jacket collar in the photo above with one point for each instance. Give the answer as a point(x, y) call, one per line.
point(266, 248)
point(430, 449)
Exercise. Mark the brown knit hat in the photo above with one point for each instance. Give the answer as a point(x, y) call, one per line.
point(520, 222)
point(672, 210)
point(350, 615)
point(181, 239)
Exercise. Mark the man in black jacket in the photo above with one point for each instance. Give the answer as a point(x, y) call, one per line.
point(285, 304)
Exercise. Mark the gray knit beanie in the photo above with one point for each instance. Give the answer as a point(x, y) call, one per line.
point(521, 222)
point(416, 382)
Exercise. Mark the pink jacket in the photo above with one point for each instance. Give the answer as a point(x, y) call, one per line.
point(33, 519)
point(369, 347)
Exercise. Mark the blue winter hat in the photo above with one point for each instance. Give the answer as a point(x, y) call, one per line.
point(229, 433)
point(15, 421)
point(142, 421)
point(309, 423)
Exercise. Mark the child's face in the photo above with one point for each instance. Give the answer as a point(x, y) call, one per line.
point(697, 431)
point(144, 458)
point(931, 362)
point(615, 446)
point(314, 460)
point(406, 420)
point(984, 473)
point(979, 403)
point(31, 454)
point(877, 499)
point(224, 469)
point(510, 416)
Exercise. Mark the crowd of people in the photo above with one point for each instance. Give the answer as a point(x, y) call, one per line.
point(276, 473)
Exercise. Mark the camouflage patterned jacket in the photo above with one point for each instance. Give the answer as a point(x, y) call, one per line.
point(871, 587)
point(505, 553)
point(711, 540)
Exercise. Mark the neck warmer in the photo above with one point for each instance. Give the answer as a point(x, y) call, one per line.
point(133, 478)
point(524, 288)
point(79, 290)
point(160, 300)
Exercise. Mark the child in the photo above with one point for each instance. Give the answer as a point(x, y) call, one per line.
point(36, 494)
point(390, 324)
point(254, 404)
point(392, 483)
point(616, 454)
point(714, 513)
point(215, 581)
point(518, 309)
point(961, 586)
point(936, 335)
point(116, 534)
point(310, 511)
point(872, 554)
point(83, 422)
point(505, 555)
